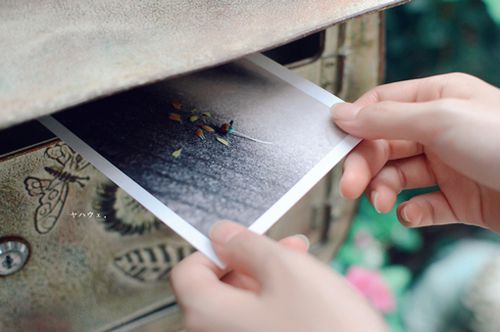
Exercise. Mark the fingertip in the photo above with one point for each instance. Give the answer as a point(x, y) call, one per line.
point(344, 112)
point(337, 106)
point(357, 174)
point(304, 239)
point(383, 199)
point(345, 189)
point(298, 242)
point(350, 186)
point(374, 198)
point(410, 214)
point(243, 250)
point(223, 231)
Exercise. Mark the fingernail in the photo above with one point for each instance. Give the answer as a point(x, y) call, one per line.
point(411, 214)
point(374, 198)
point(305, 239)
point(223, 231)
point(345, 112)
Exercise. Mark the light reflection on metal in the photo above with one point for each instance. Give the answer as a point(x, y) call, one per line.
point(13, 256)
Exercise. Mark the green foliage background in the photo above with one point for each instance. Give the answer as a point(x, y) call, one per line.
point(427, 37)
point(424, 37)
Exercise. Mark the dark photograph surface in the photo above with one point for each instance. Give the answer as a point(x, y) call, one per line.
point(224, 143)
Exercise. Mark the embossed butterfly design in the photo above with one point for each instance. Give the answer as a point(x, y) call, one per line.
point(53, 192)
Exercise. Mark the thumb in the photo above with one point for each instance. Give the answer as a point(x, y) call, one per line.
point(243, 250)
point(420, 122)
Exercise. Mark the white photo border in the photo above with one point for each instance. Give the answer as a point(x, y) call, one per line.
point(174, 221)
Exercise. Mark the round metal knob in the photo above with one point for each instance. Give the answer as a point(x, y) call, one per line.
point(13, 256)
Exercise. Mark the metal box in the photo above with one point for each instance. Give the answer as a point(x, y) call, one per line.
point(100, 261)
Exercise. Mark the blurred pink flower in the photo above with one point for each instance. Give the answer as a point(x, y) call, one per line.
point(371, 284)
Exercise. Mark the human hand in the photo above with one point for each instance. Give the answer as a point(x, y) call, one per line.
point(442, 130)
point(271, 287)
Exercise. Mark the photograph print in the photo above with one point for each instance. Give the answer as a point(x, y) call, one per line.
point(243, 142)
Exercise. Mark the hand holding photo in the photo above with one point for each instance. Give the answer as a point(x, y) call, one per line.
point(243, 141)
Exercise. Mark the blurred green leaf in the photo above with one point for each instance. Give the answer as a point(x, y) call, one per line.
point(397, 277)
point(428, 37)
point(493, 7)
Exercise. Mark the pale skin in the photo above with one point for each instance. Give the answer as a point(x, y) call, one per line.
point(442, 130)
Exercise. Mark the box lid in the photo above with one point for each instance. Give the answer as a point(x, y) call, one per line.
point(56, 54)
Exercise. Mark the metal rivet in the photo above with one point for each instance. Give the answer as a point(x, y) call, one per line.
point(13, 256)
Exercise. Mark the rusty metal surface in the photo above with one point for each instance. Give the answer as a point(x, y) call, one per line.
point(94, 261)
point(57, 54)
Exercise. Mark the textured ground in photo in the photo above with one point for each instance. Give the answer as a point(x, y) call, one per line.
point(209, 181)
